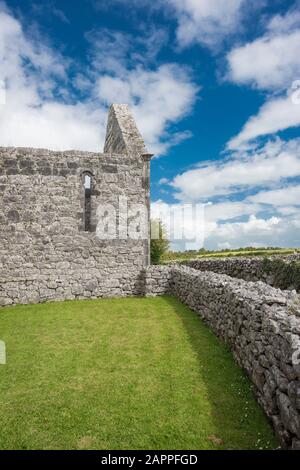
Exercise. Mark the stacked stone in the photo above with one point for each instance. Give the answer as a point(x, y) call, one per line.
point(249, 269)
point(45, 252)
point(158, 280)
point(261, 325)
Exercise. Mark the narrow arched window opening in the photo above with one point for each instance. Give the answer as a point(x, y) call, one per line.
point(87, 201)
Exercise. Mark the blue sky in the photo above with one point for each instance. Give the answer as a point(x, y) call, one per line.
point(212, 83)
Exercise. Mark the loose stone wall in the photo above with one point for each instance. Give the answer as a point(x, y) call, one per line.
point(157, 280)
point(260, 324)
point(249, 269)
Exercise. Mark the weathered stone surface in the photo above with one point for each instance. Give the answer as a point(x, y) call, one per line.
point(249, 269)
point(263, 334)
point(122, 135)
point(294, 393)
point(45, 254)
point(296, 444)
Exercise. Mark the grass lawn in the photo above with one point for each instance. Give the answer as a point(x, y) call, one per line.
point(122, 374)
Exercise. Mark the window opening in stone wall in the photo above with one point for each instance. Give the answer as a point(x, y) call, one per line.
point(87, 202)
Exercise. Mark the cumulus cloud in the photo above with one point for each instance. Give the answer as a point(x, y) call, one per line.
point(158, 96)
point(206, 21)
point(255, 197)
point(275, 115)
point(254, 168)
point(230, 210)
point(214, 232)
point(33, 115)
point(284, 196)
point(151, 97)
point(217, 233)
point(270, 62)
point(255, 231)
point(254, 188)
point(41, 108)
point(285, 23)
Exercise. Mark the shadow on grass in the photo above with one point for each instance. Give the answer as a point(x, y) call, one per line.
point(237, 416)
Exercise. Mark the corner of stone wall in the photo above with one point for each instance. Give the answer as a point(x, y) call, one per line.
point(158, 280)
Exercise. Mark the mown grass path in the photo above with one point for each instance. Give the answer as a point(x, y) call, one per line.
point(122, 374)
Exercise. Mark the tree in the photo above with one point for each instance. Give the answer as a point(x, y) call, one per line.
point(159, 241)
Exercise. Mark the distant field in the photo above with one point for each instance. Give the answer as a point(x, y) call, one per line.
point(173, 256)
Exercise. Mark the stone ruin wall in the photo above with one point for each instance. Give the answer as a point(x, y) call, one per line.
point(249, 269)
point(45, 252)
point(261, 326)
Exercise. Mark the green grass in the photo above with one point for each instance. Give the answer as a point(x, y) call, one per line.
point(122, 374)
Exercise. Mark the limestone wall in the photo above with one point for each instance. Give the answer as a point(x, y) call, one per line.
point(45, 254)
point(249, 269)
point(157, 280)
point(260, 324)
point(46, 251)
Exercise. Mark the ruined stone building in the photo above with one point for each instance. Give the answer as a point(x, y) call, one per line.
point(49, 245)
point(76, 225)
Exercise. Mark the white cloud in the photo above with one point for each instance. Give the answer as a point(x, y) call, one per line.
point(289, 210)
point(268, 216)
point(263, 166)
point(226, 211)
point(41, 110)
point(32, 115)
point(257, 231)
point(206, 21)
point(285, 196)
point(285, 23)
point(254, 231)
point(275, 115)
point(253, 226)
point(270, 62)
point(52, 125)
point(158, 96)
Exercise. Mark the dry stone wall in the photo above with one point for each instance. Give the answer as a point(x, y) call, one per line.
point(260, 324)
point(157, 280)
point(249, 269)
